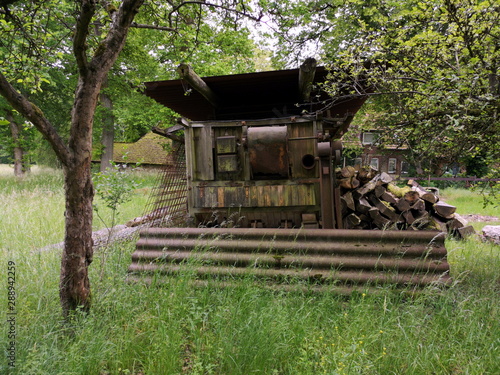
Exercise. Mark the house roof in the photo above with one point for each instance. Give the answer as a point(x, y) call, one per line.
point(248, 96)
point(150, 149)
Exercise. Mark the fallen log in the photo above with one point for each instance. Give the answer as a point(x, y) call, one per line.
point(389, 198)
point(465, 232)
point(348, 201)
point(363, 206)
point(456, 222)
point(444, 210)
point(366, 174)
point(411, 197)
point(380, 221)
point(383, 209)
point(352, 221)
point(402, 205)
point(424, 194)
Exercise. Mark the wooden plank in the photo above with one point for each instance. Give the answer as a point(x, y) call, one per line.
point(204, 163)
point(297, 149)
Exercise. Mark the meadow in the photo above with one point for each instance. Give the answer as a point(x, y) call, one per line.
point(176, 329)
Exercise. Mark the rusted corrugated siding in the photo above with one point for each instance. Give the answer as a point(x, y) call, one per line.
point(324, 256)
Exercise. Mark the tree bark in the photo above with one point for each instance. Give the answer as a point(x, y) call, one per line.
point(20, 166)
point(74, 287)
point(108, 130)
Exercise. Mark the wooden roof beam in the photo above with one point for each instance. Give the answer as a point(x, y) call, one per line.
point(306, 78)
point(187, 74)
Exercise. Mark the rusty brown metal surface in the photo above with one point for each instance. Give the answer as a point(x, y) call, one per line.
point(320, 255)
point(268, 151)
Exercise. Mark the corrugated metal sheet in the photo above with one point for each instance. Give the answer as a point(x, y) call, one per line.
point(321, 256)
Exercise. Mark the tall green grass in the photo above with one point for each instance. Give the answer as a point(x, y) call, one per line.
point(32, 208)
point(177, 329)
point(469, 202)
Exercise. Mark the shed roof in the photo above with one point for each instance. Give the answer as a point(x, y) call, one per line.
point(150, 149)
point(248, 96)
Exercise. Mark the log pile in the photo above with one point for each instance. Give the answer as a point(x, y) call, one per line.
point(370, 200)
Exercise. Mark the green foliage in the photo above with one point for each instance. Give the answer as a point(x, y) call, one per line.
point(432, 67)
point(34, 37)
point(469, 201)
point(114, 187)
point(491, 190)
point(36, 40)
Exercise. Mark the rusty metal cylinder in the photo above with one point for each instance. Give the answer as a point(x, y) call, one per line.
point(268, 151)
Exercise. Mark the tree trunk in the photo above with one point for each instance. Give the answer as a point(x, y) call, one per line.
point(19, 154)
point(74, 288)
point(77, 255)
point(108, 130)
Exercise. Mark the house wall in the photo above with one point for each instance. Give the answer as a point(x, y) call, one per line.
point(391, 161)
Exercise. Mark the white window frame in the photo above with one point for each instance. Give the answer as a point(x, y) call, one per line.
point(374, 163)
point(402, 167)
point(366, 135)
point(394, 163)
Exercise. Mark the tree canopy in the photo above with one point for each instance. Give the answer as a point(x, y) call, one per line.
point(432, 68)
point(84, 39)
point(36, 54)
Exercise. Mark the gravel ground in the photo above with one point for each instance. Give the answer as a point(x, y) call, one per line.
point(476, 217)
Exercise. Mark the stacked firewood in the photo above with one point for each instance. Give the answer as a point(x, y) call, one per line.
point(370, 200)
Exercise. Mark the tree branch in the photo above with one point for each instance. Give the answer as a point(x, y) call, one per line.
point(203, 2)
point(5, 3)
point(153, 27)
point(81, 33)
point(33, 114)
point(109, 49)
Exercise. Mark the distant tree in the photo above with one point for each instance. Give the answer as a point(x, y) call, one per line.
point(17, 137)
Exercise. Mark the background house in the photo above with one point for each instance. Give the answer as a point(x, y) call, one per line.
point(390, 159)
point(151, 151)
